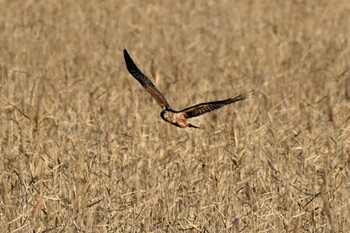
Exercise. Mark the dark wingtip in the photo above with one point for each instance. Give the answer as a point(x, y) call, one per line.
point(242, 96)
point(130, 65)
point(249, 93)
point(126, 54)
point(246, 95)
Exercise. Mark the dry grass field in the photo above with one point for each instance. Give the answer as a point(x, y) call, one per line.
point(83, 148)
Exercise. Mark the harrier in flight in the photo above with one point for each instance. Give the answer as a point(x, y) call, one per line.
point(177, 118)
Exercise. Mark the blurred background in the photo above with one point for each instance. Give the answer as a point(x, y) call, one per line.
point(83, 148)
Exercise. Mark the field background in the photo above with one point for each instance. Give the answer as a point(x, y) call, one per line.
point(82, 146)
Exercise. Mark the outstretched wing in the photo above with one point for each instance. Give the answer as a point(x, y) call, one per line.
point(145, 82)
point(202, 108)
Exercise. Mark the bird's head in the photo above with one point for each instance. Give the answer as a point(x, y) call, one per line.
point(162, 114)
point(166, 114)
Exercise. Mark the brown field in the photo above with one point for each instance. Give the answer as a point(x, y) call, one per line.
point(83, 148)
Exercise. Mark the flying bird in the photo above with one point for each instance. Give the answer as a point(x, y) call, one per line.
point(177, 118)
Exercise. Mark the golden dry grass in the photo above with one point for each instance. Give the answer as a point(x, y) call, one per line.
point(83, 148)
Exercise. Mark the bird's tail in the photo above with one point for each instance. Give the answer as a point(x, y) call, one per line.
point(193, 126)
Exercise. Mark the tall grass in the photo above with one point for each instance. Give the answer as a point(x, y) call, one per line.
point(82, 146)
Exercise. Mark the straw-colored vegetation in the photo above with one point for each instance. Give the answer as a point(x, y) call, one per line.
point(82, 146)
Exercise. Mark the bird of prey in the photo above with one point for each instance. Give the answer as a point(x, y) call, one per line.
point(177, 118)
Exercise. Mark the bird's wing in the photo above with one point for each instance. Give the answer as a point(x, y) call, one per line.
point(202, 108)
point(145, 82)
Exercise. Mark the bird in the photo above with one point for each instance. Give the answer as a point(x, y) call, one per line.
point(177, 118)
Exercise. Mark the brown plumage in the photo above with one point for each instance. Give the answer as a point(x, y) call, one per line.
point(177, 118)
